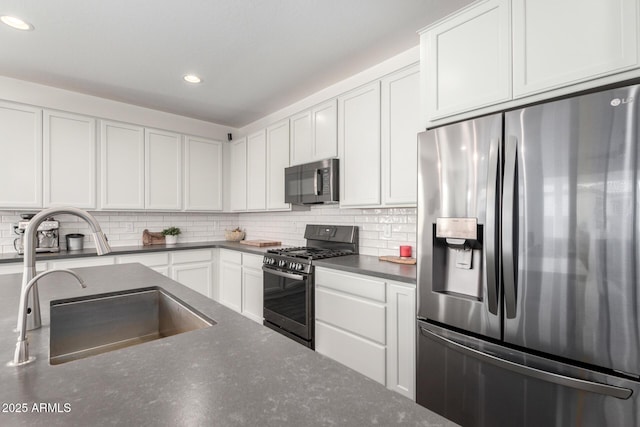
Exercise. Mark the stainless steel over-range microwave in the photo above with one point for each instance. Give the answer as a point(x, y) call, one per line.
point(312, 183)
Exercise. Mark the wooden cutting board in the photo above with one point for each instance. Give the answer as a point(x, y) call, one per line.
point(260, 243)
point(397, 259)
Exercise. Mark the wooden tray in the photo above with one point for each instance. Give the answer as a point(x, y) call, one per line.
point(260, 243)
point(397, 259)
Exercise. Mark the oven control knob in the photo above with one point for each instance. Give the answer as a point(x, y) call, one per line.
point(292, 265)
point(281, 263)
point(298, 266)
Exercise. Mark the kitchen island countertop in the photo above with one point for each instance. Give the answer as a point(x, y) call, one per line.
point(235, 373)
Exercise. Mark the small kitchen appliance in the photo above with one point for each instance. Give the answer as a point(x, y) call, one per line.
point(289, 279)
point(47, 235)
point(312, 183)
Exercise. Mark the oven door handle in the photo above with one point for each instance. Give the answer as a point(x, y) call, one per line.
point(282, 273)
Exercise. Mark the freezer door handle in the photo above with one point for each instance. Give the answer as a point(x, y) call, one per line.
point(563, 380)
point(509, 231)
point(491, 228)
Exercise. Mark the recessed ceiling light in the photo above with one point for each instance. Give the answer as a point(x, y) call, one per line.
point(192, 78)
point(16, 23)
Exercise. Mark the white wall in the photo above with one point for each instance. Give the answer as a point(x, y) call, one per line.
point(61, 99)
point(195, 227)
point(287, 227)
point(395, 63)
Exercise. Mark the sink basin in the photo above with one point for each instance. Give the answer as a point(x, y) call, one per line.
point(84, 327)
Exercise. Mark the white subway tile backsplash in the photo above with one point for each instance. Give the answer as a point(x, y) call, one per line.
point(287, 227)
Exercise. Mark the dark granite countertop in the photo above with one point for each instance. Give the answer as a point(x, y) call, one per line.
point(235, 373)
point(371, 266)
point(362, 264)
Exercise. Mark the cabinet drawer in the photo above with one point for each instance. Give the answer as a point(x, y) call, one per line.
point(363, 318)
point(231, 256)
point(18, 267)
point(191, 256)
point(351, 283)
point(150, 260)
point(83, 262)
point(357, 353)
point(252, 261)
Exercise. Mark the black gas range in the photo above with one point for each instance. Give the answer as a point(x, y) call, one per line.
point(289, 282)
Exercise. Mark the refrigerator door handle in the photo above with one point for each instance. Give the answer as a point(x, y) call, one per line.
point(490, 226)
point(509, 249)
point(563, 380)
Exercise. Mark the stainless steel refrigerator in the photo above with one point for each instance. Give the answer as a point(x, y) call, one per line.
point(529, 265)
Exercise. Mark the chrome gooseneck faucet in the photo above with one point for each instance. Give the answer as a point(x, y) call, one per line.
point(32, 306)
point(21, 356)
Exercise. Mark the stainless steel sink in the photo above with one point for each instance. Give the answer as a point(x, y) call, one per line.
point(85, 327)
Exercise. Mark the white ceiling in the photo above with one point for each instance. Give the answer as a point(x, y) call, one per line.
point(255, 56)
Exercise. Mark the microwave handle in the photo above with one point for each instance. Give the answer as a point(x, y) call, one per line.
point(317, 178)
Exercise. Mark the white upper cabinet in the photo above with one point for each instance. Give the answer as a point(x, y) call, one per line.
point(238, 175)
point(466, 60)
point(301, 138)
point(399, 137)
point(202, 174)
point(121, 166)
point(21, 159)
point(256, 171)
point(325, 130)
point(163, 170)
point(314, 134)
point(277, 161)
point(556, 43)
point(359, 142)
point(69, 166)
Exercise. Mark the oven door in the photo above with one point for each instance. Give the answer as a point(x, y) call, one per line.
point(288, 301)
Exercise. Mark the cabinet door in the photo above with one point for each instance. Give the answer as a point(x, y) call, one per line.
point(231, 285)
point(359, 140)
point(21, 159)
point(557, 43)
point(277, 161)
point(121, 166)
point(401, 339)
point(238, 175)
point(325, 133)
point(163, 170)
point(256, 171)
point(467, 60)
point(301, 138)
point(202, 174)
point(252, 294)
point(69, 160)
point(196, 276)
point(400, 126)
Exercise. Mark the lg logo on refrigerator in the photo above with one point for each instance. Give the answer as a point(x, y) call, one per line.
point(618, 101)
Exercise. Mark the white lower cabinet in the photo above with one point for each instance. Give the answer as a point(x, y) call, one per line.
point(81, 262)
point(231, 279)
point(15, 267)
point(401, 338)
point(367, 324)
point(157, 261)
point(252, 287)
point(193, 269)
point(241, 283)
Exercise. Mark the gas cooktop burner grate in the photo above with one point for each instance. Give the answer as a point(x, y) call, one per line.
point(310, 252)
